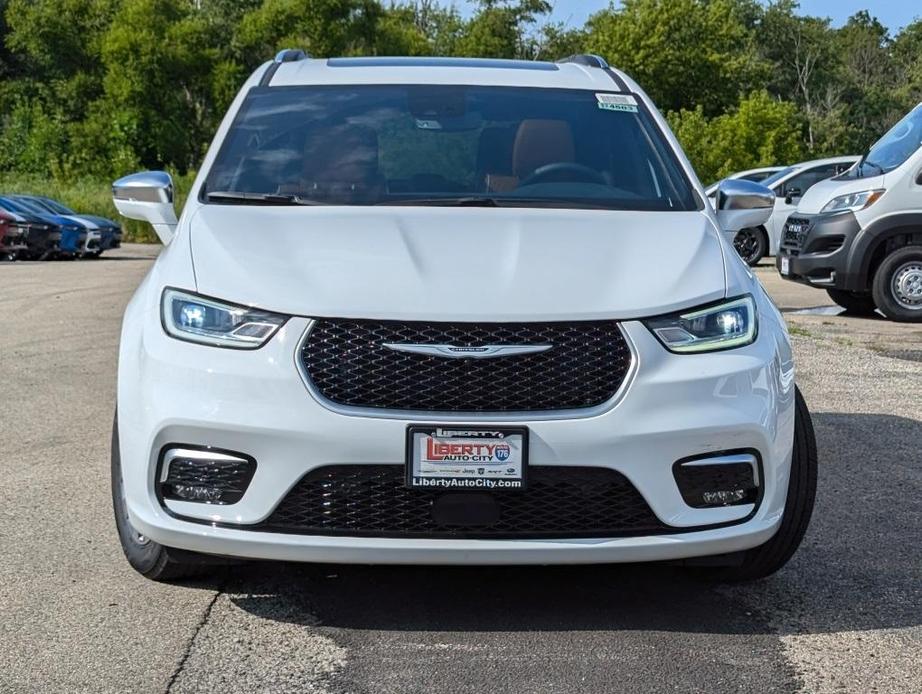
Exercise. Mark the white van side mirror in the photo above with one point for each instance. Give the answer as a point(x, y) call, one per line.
point(147, 196)
point(743, 204)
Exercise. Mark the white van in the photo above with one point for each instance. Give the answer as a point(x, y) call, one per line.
point(788, 185)
point(859, 235)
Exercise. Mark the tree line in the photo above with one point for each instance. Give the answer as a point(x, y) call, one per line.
point(98, 88)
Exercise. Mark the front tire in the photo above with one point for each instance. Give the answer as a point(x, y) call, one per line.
point(766, 559)
point(857, 303)
point(897, 285)
point(147, 557)
point(751, 244)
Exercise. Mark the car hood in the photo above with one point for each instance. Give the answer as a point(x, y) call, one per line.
point(100, 222)
point(62, 220)
point(51, 219)
point(820, 194)
point(456, 264)
point(20, 217)
point(79, 220)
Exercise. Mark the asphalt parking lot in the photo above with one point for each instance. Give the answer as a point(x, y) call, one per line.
point(845, 615)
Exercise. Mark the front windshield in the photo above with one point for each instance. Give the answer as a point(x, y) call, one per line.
point(18, 206)
point(894, 148)
point(53, 206)
point(30, 206)
point(446, 145)
point(775, 177)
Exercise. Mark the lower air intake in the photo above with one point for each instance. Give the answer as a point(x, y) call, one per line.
point(373, 501)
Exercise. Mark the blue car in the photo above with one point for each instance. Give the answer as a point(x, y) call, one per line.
point(73, 232)
point(109, 232)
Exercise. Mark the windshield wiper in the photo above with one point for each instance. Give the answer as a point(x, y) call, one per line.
point(504, 201)
point(864, 160)
point(260, 198)
point(874, 164)
point(445, 202)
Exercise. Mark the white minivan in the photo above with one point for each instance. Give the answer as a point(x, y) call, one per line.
point(453, 311)
point(859, 235)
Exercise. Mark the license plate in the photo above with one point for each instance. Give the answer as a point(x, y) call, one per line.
point(785, 265)
point(462, 457)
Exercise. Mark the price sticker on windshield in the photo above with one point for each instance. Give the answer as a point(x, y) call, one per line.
point(617, 102)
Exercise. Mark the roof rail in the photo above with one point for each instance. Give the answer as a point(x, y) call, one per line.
point(290, 55)
point(587, 59)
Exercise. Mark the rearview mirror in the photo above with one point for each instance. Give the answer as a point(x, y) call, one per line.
point(792, 195)
point(743, 204)
point(147, 196)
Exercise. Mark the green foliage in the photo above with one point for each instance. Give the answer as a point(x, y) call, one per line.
point(907, 53)
point(58, 39)
point(157, 79)
point(760, 131)
point(686, 53)
point(31, 139)
point(321, 27)
point(499, 29)
point(93, 89)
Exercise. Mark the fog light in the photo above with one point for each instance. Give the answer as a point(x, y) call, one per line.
point(205, 475)
point(723, 480)
point(724, 497)
point(185, 491)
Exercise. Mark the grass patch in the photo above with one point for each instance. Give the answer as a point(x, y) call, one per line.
point(91, 196)
point(799, 331)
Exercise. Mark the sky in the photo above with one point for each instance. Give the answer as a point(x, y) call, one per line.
point(894, 14)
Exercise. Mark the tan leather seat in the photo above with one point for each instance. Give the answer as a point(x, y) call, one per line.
point(540, 142)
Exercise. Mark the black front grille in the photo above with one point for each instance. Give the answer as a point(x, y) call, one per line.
point(374, 501)
point(348, 363)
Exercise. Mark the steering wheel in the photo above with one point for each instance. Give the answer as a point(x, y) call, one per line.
point(564, 171)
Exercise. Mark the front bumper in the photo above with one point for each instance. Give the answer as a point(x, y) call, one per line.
point(72, 240)
point(13, 239)
point(673, 407)
point(815, 249)
point(93, 242)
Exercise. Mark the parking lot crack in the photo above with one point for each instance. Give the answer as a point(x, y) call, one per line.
point(191, 642)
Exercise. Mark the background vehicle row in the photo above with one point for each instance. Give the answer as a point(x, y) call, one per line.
point(34, 227)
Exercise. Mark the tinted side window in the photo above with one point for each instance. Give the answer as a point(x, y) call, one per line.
point(804, 181)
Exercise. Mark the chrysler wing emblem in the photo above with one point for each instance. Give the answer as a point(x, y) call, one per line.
point(453, 352)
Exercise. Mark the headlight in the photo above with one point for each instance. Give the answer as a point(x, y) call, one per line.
point(853, 201)
point(210, 322)
point(724, 326)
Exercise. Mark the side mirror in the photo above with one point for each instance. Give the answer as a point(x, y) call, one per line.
point(147, 196)
point(743, 204)
point(792, 195)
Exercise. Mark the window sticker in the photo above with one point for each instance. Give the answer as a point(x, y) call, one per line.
point(617, 102)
